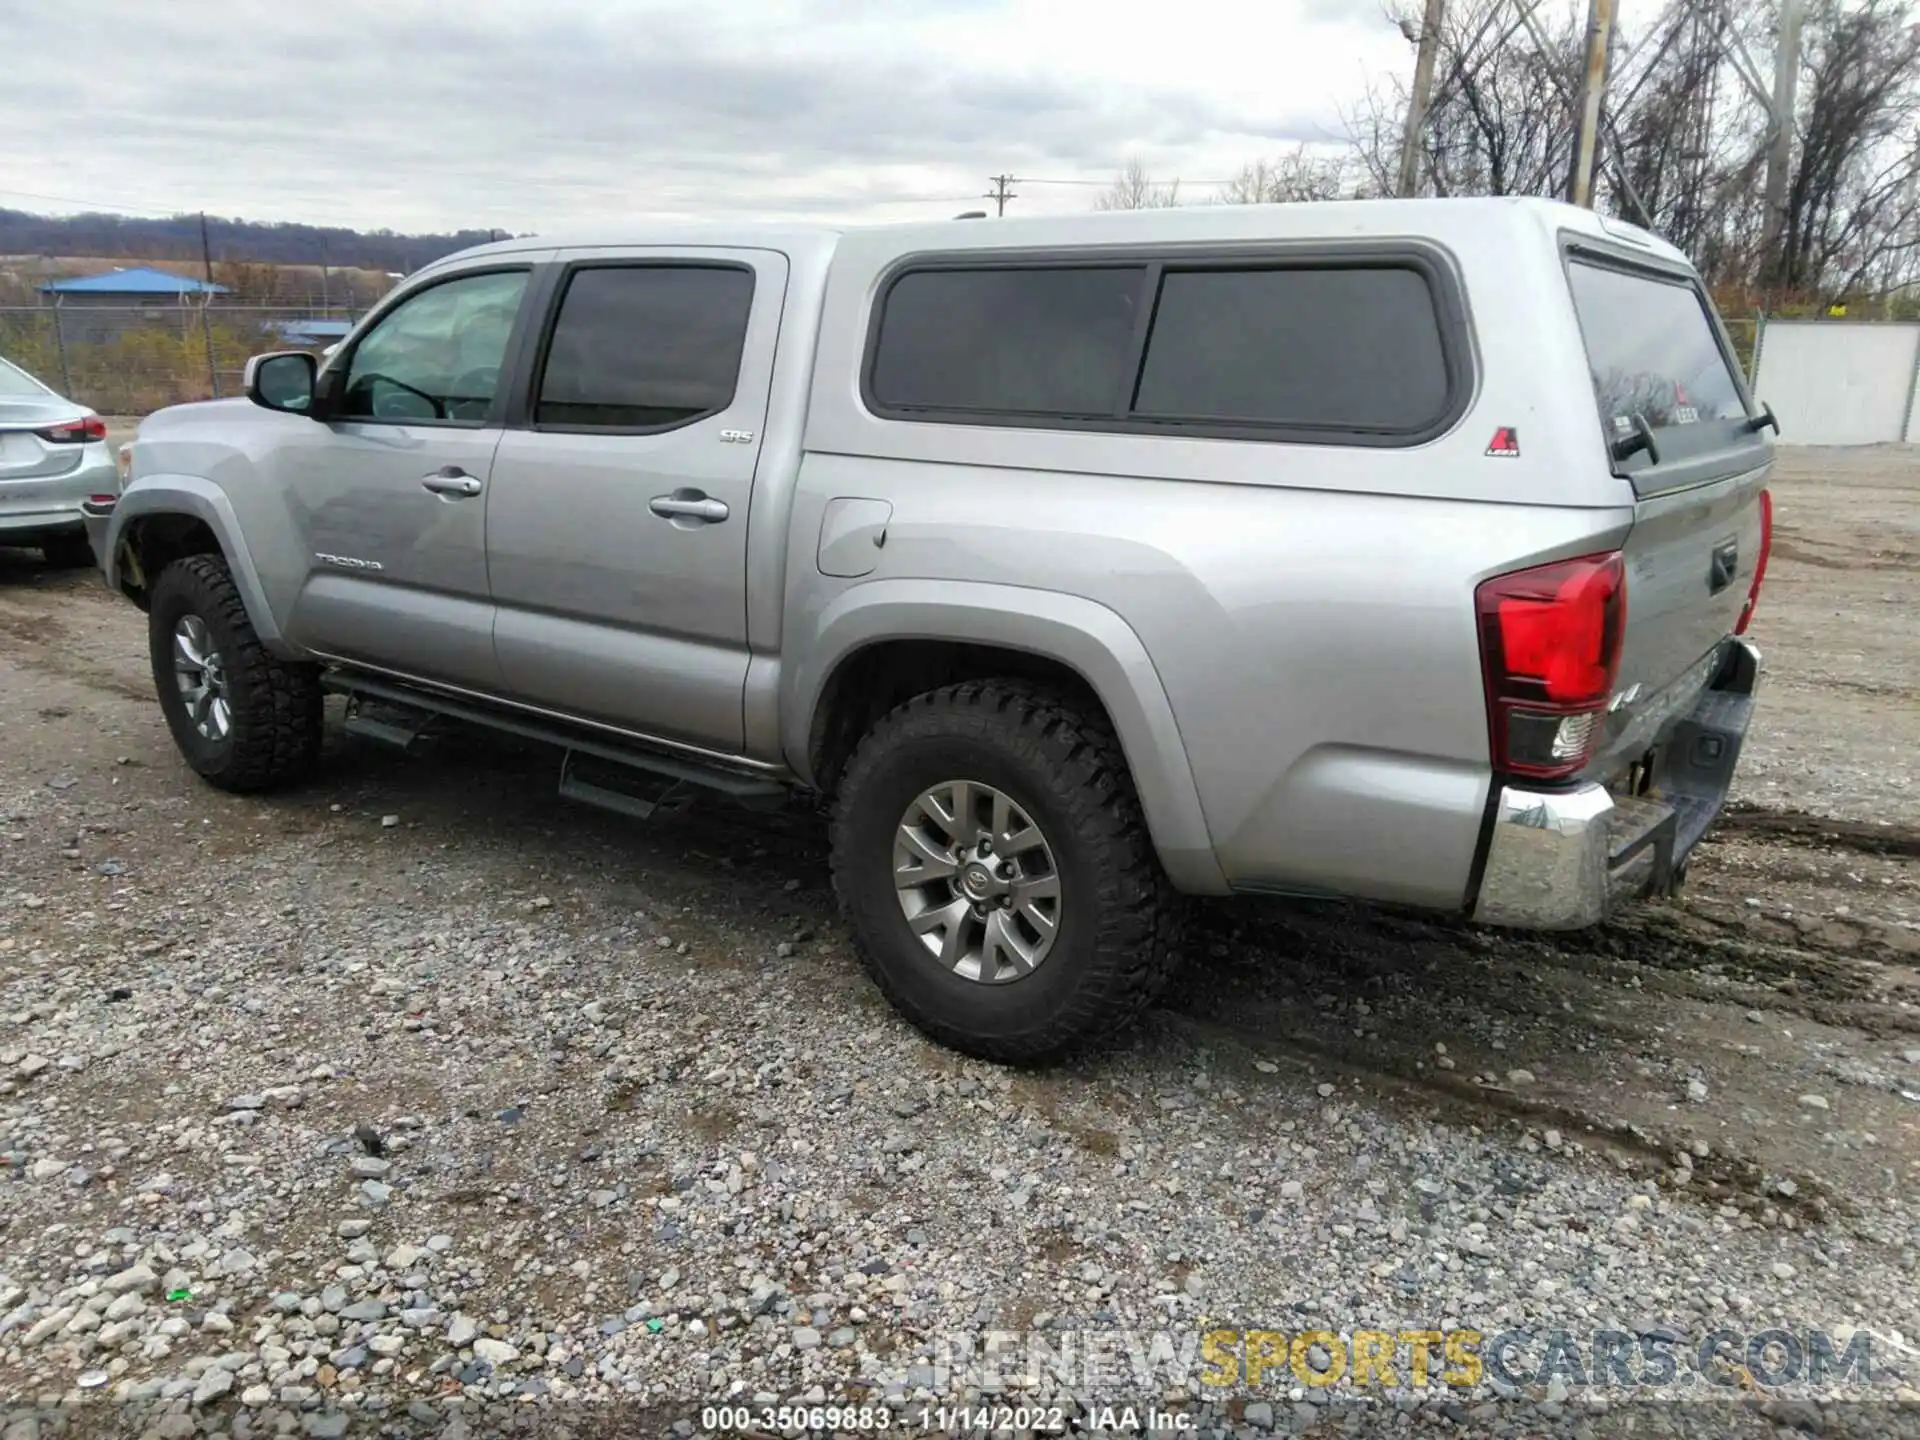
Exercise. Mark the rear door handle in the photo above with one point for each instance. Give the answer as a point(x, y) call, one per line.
point(689, 505)
point(451, 481)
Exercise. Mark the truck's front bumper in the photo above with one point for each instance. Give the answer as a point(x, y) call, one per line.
point(1563, 859)
point(97, 514)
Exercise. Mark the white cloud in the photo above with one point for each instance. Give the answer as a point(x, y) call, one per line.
point(530, 114)
point(535, 114)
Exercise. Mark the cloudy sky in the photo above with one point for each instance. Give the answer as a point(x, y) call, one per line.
point(530, 114)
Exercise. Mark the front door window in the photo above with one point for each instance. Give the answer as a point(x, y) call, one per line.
point(438, 355)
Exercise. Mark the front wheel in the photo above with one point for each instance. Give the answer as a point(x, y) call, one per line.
point(991, 856)
point(245, 719)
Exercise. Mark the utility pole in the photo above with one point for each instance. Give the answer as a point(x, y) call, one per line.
point(1001, 193)
point(206, 325)
point(1786, 82)
point(206, 251)
point(1593, 92)
point(1422, 95)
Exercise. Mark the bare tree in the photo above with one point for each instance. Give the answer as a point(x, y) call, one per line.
point(1135, 189)
point(1300, 174)
point(1855, 187)
point(1685, 138)
point(1684, 130)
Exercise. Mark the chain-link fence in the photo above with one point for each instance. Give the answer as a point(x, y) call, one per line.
point(135, 359)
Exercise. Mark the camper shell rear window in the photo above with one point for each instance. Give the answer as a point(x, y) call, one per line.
point(1665, 382)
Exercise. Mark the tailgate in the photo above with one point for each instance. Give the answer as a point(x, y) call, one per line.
point(1691, 559)
point(1676, 425)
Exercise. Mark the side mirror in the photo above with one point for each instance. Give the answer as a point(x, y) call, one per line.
point(282, 380)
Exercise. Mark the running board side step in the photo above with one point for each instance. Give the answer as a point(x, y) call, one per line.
point(402, 727)
point(609, 792)
point(633, 781)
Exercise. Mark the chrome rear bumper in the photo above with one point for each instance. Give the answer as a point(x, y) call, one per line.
point(1564, 859)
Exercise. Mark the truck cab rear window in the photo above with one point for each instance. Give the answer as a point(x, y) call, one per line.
point(1652, 350)
point(1327, 351)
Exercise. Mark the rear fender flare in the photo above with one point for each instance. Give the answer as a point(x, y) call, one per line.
point(1086, 637)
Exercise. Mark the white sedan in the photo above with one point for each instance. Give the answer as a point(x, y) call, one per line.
point(53, 461)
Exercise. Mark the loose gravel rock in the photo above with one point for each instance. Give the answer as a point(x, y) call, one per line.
point(305, 1118)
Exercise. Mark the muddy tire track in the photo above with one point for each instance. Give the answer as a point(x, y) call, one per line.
point(1821, 832)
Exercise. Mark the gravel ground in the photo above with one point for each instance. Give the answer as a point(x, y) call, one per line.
point(420, 1088)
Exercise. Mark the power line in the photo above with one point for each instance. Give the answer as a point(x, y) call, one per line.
point(188, 212)
point(1001, 192)
point(115, 207)
point(1104, 184)
point(157, 212)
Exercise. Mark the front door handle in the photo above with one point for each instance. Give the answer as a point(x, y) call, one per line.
point(451, 481)
point(689, 505)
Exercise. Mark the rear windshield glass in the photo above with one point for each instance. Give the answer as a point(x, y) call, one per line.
point(1652, 350)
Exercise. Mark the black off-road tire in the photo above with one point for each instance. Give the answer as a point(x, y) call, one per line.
point(1120, 920)
point(67, 550)
point(274, 737)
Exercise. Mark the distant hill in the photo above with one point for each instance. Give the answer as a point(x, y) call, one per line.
point(119, 237)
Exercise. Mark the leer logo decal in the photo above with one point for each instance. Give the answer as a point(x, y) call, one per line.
point(1505, 442)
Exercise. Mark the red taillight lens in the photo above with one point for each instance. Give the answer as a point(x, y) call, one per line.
point(1760, 565)
point(1550, 648)
point(75, 432)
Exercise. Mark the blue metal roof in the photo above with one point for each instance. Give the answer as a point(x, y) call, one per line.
point(141, 280)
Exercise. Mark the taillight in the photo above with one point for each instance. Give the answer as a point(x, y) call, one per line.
point(1759, 565)
point(75, 432)
point(1550, 648)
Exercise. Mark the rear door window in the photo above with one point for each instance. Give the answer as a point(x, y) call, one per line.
point(645, 347)
point(1653, 353)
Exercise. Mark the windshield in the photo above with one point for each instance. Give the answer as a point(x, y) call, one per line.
point(1652, 350)
point(16, 384)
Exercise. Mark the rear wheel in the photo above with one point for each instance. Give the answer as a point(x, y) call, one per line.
point(68, 550)
point(991, 855)
point(244, 719)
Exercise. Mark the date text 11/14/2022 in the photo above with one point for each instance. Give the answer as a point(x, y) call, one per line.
point(936, 1419)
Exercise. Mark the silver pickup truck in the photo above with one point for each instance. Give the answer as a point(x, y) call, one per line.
point(1395, 550)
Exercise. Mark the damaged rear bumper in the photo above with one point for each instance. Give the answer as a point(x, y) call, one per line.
point(1564, 859)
